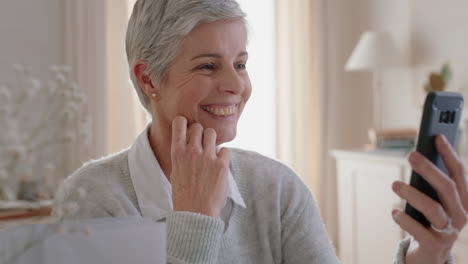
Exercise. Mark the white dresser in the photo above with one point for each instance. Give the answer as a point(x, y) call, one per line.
point(367, 232)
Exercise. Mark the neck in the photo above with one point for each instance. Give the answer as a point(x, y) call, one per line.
point(160, 138)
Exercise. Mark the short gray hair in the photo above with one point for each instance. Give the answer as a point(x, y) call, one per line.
point(157, 27)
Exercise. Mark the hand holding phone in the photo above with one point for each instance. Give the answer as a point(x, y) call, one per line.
point(442, 114)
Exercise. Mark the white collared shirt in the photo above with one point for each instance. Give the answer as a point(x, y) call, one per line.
point(154, 191)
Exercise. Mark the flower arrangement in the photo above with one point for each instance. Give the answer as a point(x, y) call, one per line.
point(40, 122)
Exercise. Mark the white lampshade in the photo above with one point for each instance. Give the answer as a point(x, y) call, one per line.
point(374, 51)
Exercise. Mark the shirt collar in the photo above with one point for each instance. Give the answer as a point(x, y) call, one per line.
point(153, 190)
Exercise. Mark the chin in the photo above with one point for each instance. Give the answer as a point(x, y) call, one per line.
point(225, 136)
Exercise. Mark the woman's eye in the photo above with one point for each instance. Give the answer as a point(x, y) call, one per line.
point(206, 67)
point(241, 66)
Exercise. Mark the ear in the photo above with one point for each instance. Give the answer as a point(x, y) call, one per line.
point(143, 80)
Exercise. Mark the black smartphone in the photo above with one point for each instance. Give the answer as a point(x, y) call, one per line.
point(441, 115)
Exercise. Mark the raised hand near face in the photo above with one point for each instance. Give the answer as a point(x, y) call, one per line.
point(199, 173)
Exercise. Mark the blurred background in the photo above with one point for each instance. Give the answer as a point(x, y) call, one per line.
point(338, 89)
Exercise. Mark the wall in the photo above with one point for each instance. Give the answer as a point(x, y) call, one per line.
point(257, 125)
point(345, 95)
point(31, 35)
point(439, 35)
point(125, 116)
point(42, 33)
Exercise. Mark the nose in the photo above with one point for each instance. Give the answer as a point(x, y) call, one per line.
point(231, 81)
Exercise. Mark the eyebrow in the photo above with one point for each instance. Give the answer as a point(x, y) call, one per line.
point(218, 56)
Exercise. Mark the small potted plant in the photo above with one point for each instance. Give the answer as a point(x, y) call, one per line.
point(438, 81)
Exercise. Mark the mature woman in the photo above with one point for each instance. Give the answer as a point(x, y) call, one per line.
point(187, 61)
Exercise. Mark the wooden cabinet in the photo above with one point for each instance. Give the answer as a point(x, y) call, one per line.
point(367, 232)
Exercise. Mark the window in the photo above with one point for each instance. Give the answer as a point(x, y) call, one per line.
point(257, 126)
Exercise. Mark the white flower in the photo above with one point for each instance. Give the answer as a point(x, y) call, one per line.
point(64, 100)
point(33, 87)
point(60, 78)
point(5, 94)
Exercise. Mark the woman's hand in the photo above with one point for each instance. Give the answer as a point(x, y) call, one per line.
point(430, 246)
point(199, 173)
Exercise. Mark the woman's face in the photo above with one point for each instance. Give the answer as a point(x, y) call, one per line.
point(208, 82)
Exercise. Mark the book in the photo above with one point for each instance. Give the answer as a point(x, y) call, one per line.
point(392, 138)
point(395, 143)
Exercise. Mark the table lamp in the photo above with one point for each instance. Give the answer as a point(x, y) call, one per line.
point(374, 52)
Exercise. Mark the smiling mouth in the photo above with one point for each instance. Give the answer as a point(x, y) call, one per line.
point(220, 110)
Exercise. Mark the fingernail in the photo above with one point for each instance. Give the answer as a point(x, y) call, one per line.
point(396, 186)
point(415, 157)
point(444, 139)
point(394, 212)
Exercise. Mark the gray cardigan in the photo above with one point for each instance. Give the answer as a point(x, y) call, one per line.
point(281, 223)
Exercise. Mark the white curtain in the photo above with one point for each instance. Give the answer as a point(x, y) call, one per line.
point(301, 116)
point(126, 117)
point(299, 93)
point(94, 47)
point(84, 51)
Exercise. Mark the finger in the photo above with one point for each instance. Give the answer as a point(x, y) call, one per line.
point(209, 141)
point(179, 131)
point(445, 187)
point(455, 167)
point(431, 209)
point(195, 137)
point(224, 155)
point(414, 228)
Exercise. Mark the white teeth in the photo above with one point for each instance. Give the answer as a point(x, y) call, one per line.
point(221, 111)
